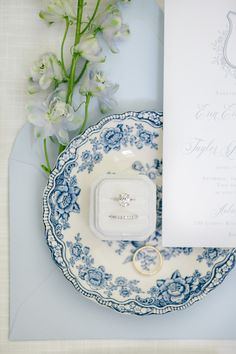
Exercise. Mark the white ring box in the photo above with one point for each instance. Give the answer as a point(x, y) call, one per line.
point(109, 220)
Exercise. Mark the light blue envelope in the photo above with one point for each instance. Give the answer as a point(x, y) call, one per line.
point(43, 304)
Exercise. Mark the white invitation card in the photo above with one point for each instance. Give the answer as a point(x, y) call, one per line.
point(199, 177)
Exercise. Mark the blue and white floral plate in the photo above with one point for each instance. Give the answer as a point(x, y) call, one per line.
point(101, 270)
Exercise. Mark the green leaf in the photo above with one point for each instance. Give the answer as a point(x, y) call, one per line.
point(45, 169)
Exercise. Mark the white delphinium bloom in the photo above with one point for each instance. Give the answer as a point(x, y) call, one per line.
point(95, 84)
point(108, 21)
point(113, 28)
point(89, 49)
point(58, 10)
point(53, 117)
point(46, 72)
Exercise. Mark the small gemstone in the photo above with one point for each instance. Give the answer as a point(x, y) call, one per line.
point(124, 199)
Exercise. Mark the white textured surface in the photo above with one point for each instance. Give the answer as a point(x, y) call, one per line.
point(21, 39)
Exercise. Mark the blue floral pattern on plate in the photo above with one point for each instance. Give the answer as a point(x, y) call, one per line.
point(176, 289)
point(64, 198)
point(97, 277)
point(103, 271)
point(114, 139)
point(211, 255)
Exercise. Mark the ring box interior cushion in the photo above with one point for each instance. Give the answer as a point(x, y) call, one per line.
point(123, 208)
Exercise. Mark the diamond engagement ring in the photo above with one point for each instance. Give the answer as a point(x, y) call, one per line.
point(124, 199)
point(124, 217)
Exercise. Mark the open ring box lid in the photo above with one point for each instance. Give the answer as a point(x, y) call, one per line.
point(134, 221)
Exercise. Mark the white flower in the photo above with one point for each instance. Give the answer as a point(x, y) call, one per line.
point(45, 73)
point(58, 10)
point(53, 117)
point(109, 22)
point(95, 84)
point(89, 49)
point(113, 28)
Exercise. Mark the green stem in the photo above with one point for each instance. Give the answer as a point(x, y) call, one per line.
point(80, 7)
point(92, 18)
point(62, 46)
point(75, 56)
point(71, 81)
point(88, 96)
point(82, 72)
point(46, 155)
